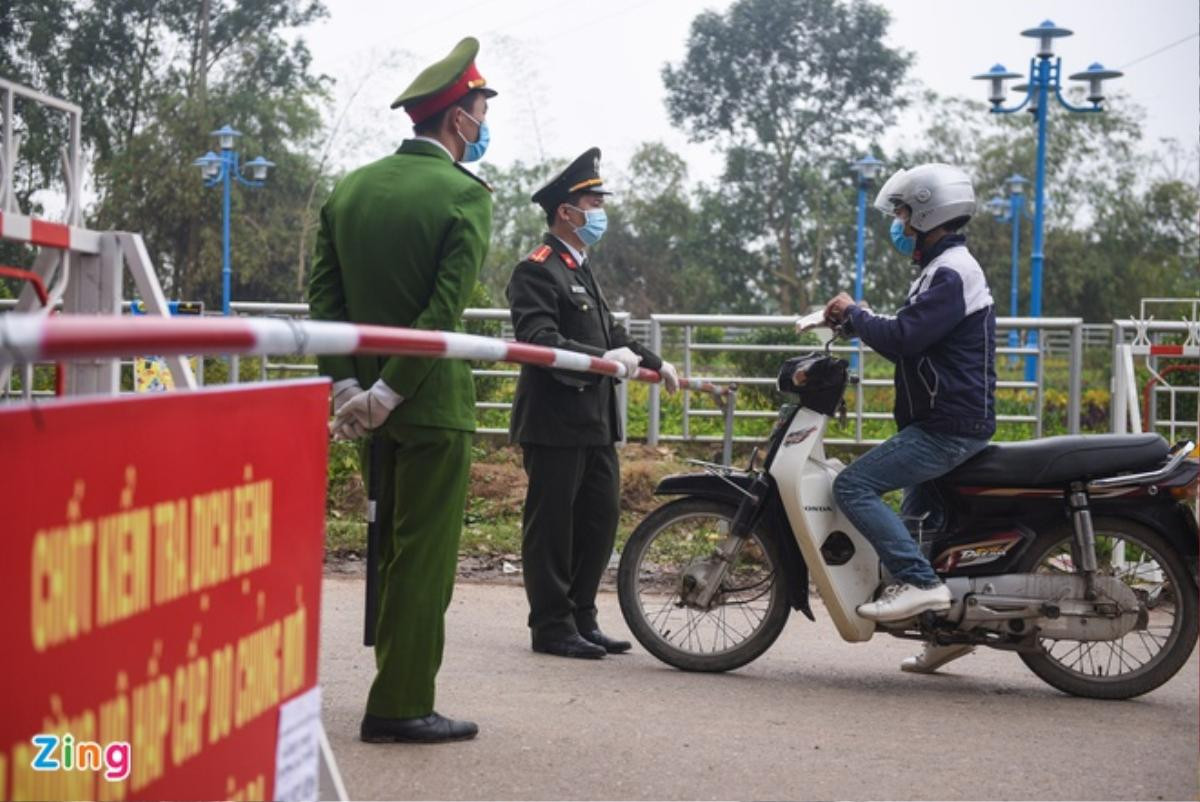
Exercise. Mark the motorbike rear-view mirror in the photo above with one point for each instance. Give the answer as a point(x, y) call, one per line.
point(813, 320)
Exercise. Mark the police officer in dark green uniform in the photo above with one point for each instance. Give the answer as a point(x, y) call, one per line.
point(401, 243)
point(567, 423)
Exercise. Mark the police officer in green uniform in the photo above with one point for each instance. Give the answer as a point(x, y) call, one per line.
point(401, 243)
point(567, 423)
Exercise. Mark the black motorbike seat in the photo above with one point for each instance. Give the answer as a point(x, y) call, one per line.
point(1057, 460)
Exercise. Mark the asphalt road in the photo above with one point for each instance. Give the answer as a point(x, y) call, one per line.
point(813, 718)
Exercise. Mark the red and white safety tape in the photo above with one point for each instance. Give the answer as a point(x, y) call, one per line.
point(20, 228)
point(32, 338)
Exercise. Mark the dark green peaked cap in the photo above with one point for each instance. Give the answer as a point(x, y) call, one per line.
point(444, 82)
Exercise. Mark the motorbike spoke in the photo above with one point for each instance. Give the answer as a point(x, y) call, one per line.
point(1159, 640)
point(664, 611)
point(1122, 653)
point(1063, 658)
point(753, 624)
point(726, 628)
point(1150, 651)
point(693, 625)
point(693, 630)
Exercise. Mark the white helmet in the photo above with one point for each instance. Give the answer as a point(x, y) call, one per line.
point(936, 193)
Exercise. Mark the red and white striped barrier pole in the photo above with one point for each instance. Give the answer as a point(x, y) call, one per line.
point(31, 338)
point(1166, 350)
point(46, 234)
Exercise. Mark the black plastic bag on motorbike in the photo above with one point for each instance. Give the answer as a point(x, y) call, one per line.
point(822, 381)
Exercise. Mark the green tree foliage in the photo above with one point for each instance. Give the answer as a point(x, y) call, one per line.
point(669, 245)
point(517, 223)
point(785, 88)
point(661, 253)
point(788, 90)
point(153, 77)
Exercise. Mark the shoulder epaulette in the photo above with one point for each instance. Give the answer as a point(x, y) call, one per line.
point(539, 254)
point(486, 185)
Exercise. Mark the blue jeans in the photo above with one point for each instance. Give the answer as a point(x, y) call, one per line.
point(906, 460)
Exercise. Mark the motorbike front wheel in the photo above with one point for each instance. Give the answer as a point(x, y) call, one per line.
point(1147, 656)
point(746, 614)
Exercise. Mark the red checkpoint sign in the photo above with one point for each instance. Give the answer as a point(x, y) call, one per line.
point(161, 579)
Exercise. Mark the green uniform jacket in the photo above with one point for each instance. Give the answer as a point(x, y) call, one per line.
point(401, 243)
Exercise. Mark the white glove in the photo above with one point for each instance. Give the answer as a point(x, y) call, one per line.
point(364, 412)
point(343, 391)
point(626, 357)
point(670, 378)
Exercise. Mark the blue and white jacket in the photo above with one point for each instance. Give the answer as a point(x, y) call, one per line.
point(943, 342)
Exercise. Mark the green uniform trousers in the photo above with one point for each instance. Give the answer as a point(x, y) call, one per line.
point(423, 495)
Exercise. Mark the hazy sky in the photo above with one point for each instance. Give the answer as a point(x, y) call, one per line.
point(572, 75)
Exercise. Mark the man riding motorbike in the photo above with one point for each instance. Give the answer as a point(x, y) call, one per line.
point(942, 341)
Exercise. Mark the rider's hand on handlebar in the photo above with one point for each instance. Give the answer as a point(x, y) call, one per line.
point(835, 310)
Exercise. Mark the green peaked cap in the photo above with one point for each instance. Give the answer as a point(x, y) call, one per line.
point(444, 77)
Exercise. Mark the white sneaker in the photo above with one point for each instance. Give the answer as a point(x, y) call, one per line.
point(934, 657)
point(898, 602)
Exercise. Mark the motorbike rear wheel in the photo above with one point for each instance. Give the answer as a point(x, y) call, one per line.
point(1145, 658)
point(745, 617)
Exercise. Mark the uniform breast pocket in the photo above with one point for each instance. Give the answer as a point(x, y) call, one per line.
point(583, 304)
point(584, 319)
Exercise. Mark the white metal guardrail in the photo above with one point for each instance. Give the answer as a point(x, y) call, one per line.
point(679, 334)
point(687, 325)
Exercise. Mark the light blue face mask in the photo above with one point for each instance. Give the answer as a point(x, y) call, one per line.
point(595, 226)
point(476, 149)
point(905, 244)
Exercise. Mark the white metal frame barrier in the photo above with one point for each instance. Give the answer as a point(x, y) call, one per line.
point(1147, 343)
point(82, 269)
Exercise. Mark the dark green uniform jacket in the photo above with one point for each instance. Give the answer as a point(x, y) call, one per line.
point(557, 303)
point(400, 243)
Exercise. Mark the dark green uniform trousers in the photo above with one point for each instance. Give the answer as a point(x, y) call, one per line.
point(423, 493)
point(570, 523)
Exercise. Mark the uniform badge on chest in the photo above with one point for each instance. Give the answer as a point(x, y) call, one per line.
point(578, 290)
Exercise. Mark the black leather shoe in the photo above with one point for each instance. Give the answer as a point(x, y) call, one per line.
point(609, 644)
point(569, 646)
point(431, 729)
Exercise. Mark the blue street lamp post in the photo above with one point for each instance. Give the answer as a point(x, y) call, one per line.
point(1045, 74)
point(223, 169)
point(1012, 212)
point(865, 169)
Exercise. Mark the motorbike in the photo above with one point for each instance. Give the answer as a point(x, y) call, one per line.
point(1077, 552)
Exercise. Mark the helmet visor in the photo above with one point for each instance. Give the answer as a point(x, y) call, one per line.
point(890, 193)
